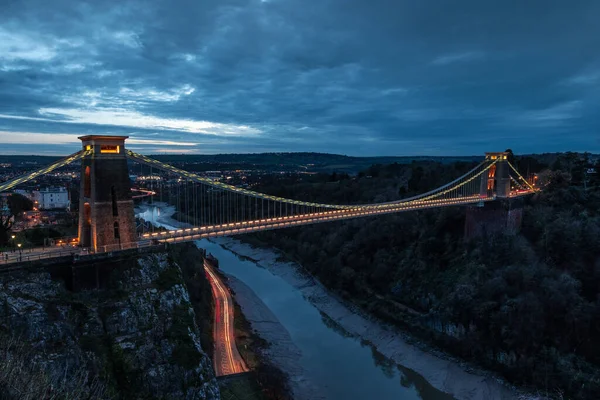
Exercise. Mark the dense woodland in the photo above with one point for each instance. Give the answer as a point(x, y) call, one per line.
point(526, 305)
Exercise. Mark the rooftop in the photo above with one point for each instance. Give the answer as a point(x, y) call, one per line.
point(102, 137)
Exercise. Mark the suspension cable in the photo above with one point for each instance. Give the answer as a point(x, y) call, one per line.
point(60, 163)
point(523, 179)
point(236, 190)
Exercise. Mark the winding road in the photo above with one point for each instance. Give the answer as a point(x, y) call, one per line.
point(227, 359)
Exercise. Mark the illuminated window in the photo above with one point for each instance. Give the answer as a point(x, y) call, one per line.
point(110, 149)
point(491, 176)
point(88, 147)
point(87, 212)
point(87, 184)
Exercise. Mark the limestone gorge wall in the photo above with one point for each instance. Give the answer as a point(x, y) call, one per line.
point(136, 338)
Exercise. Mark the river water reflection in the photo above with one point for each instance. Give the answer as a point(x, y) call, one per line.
point(341, 365)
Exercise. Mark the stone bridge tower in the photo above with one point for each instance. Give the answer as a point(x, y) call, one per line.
point(497, 179)
point(106, 216)
point(503, 215)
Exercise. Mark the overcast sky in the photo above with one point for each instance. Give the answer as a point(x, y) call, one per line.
point(356, 77)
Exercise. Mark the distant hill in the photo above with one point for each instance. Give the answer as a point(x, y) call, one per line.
point(314, 162)
point(310, 162)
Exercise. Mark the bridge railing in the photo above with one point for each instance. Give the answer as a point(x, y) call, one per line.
point(37, 254)
point(16, 257)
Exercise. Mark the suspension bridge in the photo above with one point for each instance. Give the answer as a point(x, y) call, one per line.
point(211, 208)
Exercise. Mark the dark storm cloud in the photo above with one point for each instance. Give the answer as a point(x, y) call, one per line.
point(345, 76)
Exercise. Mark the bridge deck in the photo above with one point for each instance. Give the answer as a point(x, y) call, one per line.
point(238, 228)
point(244, 227)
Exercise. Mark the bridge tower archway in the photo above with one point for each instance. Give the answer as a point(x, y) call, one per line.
point(105, 200)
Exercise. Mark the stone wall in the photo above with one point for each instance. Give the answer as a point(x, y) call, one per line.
point(104, 225)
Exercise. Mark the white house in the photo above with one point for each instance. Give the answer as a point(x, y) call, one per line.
point(50, 198)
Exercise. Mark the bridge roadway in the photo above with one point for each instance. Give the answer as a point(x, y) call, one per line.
point(238, 228)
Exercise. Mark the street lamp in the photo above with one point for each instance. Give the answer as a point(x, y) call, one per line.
point(20, 252)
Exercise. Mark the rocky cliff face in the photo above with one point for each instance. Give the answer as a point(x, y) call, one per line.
point(137, 338)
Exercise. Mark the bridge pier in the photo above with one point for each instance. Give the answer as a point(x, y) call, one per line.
point(503, 215)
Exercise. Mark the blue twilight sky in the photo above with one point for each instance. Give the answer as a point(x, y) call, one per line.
point(357, 77)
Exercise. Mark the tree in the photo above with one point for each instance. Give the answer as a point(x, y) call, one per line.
point(17, 204)
point(595, 176)
point(554, 180)
point(579, 169)
point(6, 223)
point(569, 160)
point(511, 156)
point(414, 183)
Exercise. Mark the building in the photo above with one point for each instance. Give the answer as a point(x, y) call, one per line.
point(51, 198)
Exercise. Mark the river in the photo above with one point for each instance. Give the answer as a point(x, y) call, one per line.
point(340, 364)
